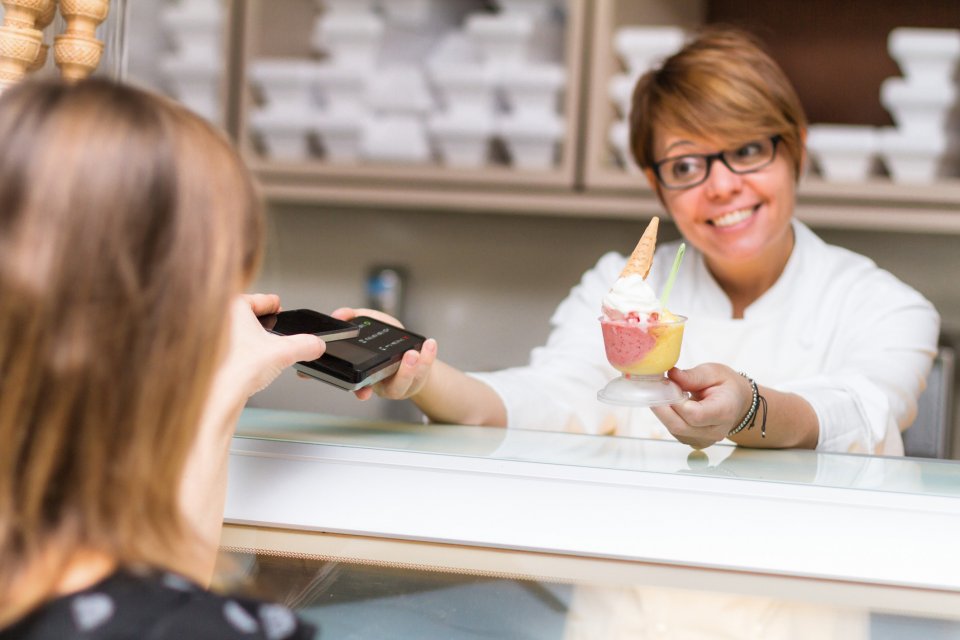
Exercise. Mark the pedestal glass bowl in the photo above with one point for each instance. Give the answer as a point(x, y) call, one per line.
point(642, 352)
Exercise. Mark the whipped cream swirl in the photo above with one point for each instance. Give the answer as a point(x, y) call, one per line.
point(630, 294)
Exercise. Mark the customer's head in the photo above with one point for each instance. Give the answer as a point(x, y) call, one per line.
point(721, 86)
point(127, 226)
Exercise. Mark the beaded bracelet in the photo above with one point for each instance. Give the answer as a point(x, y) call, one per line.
point(751, 418)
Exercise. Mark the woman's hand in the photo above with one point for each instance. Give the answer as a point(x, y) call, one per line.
point(720, 398)
point(414, 369)
point(256, 357)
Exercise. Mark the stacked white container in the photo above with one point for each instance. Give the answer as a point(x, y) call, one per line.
point(925, 144)
point(462, 129)
point(844, 153)
point(349, 34)
point(640, 48)
point(500, 77)
point(399, 100)
point(288, 116)
point(192, 71)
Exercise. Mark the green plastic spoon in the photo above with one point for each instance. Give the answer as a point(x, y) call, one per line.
point(673, 275)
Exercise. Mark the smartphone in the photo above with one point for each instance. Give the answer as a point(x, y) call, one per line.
point(288, 323)
point(369, 357)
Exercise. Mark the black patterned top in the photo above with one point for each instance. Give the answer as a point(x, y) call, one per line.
point(159, 606)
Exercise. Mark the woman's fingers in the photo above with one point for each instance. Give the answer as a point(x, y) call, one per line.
point(695, 379)
point(364, 394)
point(428, 355)
point(672, 417)
point(398, 385)
point(263, 303)
point(422, 367)
point(348, 313)
point(412, 374)
point(298, 348)
point(344, 313)
point(695, 414)
point(667, 414)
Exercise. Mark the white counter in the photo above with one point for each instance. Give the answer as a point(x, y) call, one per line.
point(880, 521)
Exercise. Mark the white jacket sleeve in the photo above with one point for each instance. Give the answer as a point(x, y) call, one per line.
point(883, 341)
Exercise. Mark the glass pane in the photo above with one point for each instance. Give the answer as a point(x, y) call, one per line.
point(366, 601)
point(901, 475)
point(353, 600)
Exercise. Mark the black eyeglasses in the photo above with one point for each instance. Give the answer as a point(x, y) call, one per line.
point(683, 172)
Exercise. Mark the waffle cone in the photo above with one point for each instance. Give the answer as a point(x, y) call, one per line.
point(642, 256)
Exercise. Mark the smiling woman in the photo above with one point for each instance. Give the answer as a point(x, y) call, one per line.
point(836, 349)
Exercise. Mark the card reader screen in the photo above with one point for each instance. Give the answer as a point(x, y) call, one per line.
point(352, 353)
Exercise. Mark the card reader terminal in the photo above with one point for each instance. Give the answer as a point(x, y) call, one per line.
point(357, 362)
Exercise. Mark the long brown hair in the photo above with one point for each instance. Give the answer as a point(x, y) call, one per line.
point(721, 85)
point(127, 225)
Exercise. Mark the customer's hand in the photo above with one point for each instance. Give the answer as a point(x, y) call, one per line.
point(253, 360)
point(719, 399)
point(414, 369)
point(256, 357)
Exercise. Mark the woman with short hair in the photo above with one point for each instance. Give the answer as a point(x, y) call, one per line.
point(839, 349)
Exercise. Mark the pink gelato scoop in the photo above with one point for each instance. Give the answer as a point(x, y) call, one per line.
point(649, 347)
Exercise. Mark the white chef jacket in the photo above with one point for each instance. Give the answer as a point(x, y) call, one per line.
point(847, 336)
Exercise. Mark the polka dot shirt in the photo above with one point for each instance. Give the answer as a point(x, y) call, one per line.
point(161, 606)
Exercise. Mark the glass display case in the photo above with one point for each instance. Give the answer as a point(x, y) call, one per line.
point(400, 530)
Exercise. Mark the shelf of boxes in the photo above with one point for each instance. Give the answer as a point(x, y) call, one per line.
point(384, 95)
point(924, 146)
point(629, 35)
point(431, 102)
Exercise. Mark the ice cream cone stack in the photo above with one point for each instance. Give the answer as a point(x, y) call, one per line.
point(78, 50)
point(642, 257)
point(21, 38)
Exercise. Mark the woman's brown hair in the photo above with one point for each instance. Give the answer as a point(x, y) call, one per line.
point(127, 226)
point(721, 86)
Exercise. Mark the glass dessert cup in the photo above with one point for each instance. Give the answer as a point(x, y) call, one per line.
point(642, 353)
